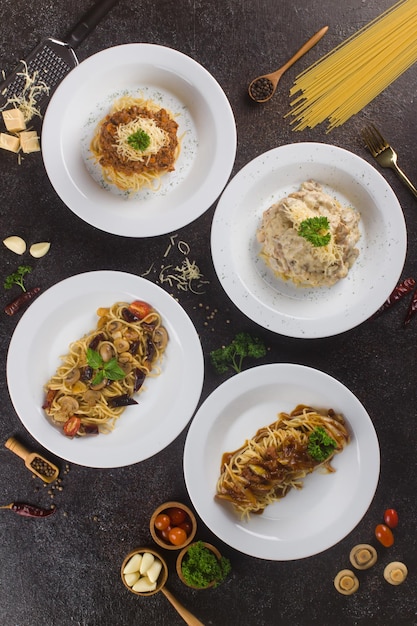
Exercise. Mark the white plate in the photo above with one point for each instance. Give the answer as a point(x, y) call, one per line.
point(279, 305)
point(307, 521)
point(180, 84)
point(65, 313)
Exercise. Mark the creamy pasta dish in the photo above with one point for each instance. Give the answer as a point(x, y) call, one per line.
point(309, 237)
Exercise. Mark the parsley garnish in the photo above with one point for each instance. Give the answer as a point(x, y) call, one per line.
point(320, 445)
point(139, 140)
point(315, 230)
point(17, 278)
point(103, 369)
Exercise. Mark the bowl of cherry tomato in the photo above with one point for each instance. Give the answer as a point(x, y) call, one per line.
point(173, 525)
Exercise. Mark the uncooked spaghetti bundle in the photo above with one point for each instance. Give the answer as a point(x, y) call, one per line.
point(351, 75)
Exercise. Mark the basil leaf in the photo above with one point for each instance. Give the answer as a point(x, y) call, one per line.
point(98, 378)
point(94, 359)
point(113, 371)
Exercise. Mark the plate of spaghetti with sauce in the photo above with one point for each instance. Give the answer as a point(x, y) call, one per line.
point(111, 366)
point(251, 472)
point(139, 140)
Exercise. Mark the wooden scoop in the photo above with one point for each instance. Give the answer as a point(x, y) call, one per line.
point(37, 464)
point(262, 88)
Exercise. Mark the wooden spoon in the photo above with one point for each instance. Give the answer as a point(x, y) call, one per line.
point(262, 88)
point(188, 617)
point(36, 463)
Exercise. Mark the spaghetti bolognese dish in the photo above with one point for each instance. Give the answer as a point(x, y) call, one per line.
point(135, 144)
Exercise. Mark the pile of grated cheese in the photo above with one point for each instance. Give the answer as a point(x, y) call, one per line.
point(159, 138)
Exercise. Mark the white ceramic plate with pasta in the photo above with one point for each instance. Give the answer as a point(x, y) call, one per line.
point(279, 305)
point(174, 81)
point(306, 521)
point(66, 312)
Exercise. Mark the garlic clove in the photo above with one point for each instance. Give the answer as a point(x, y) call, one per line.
point(15, 244)
point(133, 564)
point(39, 250)
point(132, 578)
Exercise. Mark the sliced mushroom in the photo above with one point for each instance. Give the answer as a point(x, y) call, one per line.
point(68, 405)
point(125, 357)
point(395, 573)
point(106, 351)
point(91, 397)
point(99, 385)
point(346, 582)
point(121, 344)
point(363, 556)
point(72, 377)
point(131, 334)
point(114, 328)
point(160, 337)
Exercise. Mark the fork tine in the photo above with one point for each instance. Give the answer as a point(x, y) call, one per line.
point(373, 139)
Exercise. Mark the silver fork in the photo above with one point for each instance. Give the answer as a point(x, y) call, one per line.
point(384, 154)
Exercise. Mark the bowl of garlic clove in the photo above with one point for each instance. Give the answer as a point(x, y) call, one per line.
point(144, 572)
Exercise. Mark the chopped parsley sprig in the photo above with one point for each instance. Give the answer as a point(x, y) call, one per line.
point(320, 445)
point(315, 230)
point(139, 140)
point(231, 356)
point(18, 277)
point(103, 369)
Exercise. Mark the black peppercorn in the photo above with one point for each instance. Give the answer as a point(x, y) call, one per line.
point(261, 89)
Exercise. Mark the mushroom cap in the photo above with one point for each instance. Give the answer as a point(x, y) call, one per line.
point(363, 556)
point(346, 582)
point(395, 573)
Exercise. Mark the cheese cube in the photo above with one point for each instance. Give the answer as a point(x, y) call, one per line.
point(9, 142)
point(29, 141)
point(14, 120)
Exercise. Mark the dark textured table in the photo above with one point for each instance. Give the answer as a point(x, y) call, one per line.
point(65, 571)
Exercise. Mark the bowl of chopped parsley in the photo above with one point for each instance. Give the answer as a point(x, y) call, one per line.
point(201, 566)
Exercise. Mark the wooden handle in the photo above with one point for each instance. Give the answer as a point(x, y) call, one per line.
point(188, 617)
point(306, 47)
point(17, 448)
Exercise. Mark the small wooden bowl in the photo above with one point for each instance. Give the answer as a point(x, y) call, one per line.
point(181, 556)
point(162, 578)
point(161, 509)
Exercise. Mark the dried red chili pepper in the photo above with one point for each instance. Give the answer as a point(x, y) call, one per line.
point(28, 510)
point(18, 303)
point(401, 290)
point(412, 309)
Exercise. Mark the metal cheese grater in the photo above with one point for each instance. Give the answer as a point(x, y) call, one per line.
point(53, 59)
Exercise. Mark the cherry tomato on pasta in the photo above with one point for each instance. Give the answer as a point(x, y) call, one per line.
point(71, 426)
point(140, 309)
point(176, 515)
point(162, 521)
point(177, 536)
point(384, 535)
point(391, 518)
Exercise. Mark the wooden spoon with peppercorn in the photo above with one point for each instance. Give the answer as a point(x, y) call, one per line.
point(262, 88)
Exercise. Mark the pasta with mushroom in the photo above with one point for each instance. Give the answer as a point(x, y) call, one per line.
point(278, 457)
point(104, 369)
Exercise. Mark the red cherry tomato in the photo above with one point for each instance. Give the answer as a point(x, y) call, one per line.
point(177, 536)
point(384, 535)
point(391, 518)
point(140, 309)
point(72, 426)
point(162, 521)
point(187, 526)
point(176, 515)
point(165, 533)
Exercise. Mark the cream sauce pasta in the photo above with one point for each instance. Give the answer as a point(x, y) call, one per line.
point(292, 256)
